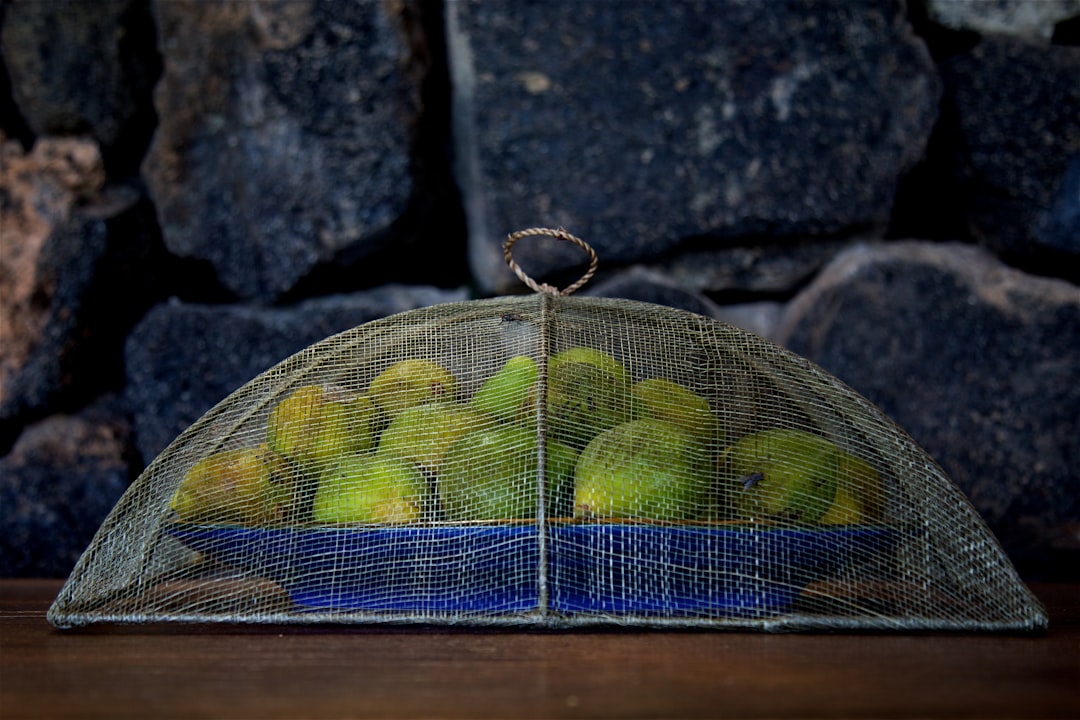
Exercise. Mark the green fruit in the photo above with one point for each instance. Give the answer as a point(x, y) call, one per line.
point(782, 475)
point(845, 509)
point(423, 434)
point(510, 394)
point(234, 487)
point(316, 424)
point(858, 494)
point(366, 488)
point(492, 474)
point(668, 401)
point(594, 357)
point(410, 383)
point(588, 392)
point(641, 469)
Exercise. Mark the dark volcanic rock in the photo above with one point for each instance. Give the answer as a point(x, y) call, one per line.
point(85, 67)
point(652, 286)
point(182, 359)
point(58, 483)
point(1022, 18)
point(67, 266)
point(49, 259)
point(762, 268)
point(1018, 107)
point(980, 363)
point(1059, 227)
point(643, 285)
point(68, 298)
point(637, 125)
point(284, 135)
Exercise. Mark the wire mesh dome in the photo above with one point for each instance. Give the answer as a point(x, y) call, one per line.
point(553, 461)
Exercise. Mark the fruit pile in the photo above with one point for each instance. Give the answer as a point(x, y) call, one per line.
point(410, 450)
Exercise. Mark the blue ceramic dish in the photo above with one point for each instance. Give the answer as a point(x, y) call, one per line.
point(592, 569)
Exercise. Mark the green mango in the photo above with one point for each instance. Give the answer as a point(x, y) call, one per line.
point(316, 424)
point(667, 400)
point(589, 391)
point(782, 475)
point(423, 434)
point(645, 468)
point(859, 495)
point(510, 394)
point(409, 383)
point(231, 487)
point(366, 488)
point(492, 474)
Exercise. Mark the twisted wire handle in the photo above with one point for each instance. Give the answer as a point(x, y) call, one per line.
point(558, 234)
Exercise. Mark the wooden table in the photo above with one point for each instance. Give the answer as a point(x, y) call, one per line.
point(264, 672)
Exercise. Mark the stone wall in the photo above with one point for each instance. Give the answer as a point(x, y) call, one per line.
point(193, 191)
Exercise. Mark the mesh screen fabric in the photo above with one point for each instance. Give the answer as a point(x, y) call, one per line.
point(319, 492)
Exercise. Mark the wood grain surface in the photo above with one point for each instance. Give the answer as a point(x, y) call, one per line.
point(177, 671)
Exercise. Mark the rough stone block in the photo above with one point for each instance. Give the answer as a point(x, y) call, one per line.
point(57, 484)
point(978, 362)
point(284, 135)
point(47, 261)
point(1022, 18)
point(645, 285)
point(183, 358)
point(84, 67)
point(740, 268)
point(652, 286)
point(638, 125)
point(1018, 107)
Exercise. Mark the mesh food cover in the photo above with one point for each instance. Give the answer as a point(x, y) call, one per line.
point(553, 461)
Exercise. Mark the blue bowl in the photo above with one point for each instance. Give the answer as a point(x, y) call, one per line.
point(675, 571)
point(693, 571)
